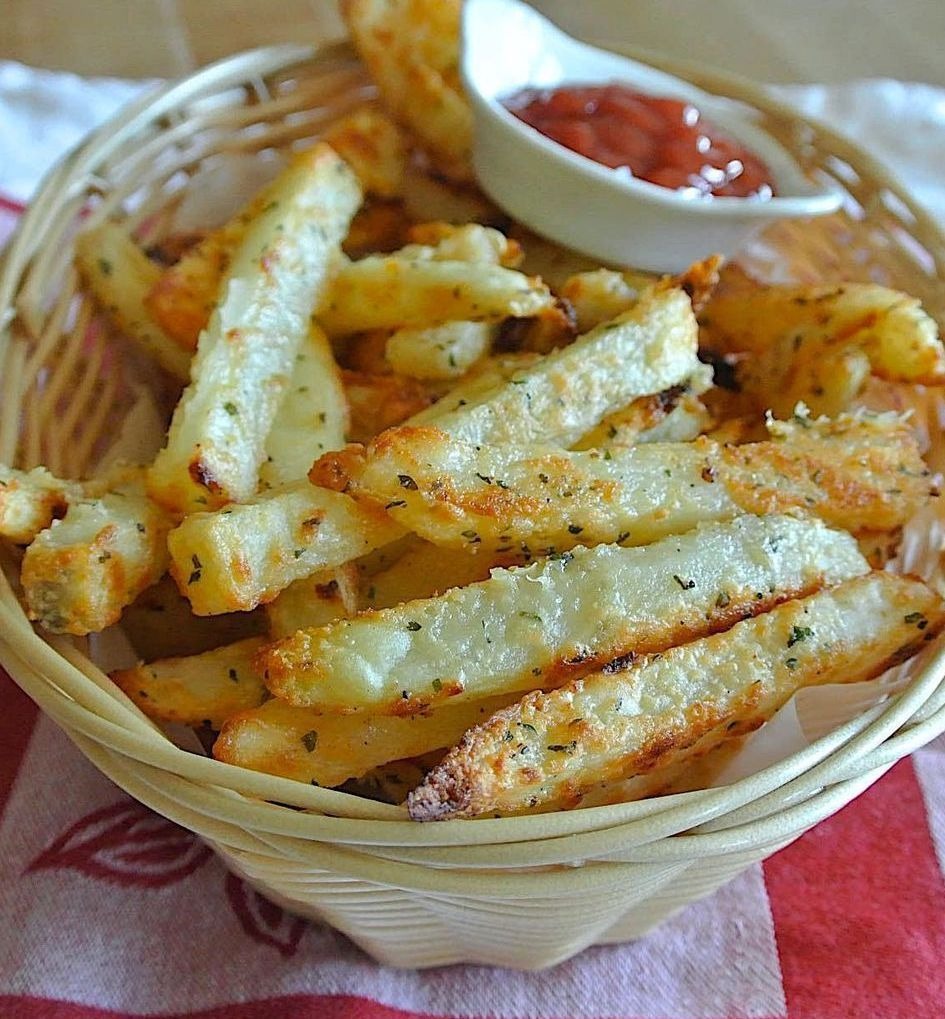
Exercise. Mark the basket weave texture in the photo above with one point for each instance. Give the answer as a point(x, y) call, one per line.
point(524, 892)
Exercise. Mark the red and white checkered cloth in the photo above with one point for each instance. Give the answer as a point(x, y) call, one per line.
point(111, 911)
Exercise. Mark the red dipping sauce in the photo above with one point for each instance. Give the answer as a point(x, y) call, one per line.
point(663, 141)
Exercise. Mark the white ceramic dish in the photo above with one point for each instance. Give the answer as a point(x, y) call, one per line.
point(507, 46)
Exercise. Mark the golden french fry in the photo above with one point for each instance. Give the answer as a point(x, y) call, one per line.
point(182, 298)
point(327, 750)
point(121, 276)
point(487, 375)
point(446, 351)
point(819, 344)
point(469, 242)
point(675, 415)
point(80, 573)
point(598, 296)
point(541, 625)
point(374, 147)
point(312, 417)
point(550, 748)
point(204, 689)
point(860, 473)
point(393, 291)
point(30, 501)
point(411, 48)
point(561, 396)
point(217, 437)
point(424, 570)
point(242, 556)
point(314, 601)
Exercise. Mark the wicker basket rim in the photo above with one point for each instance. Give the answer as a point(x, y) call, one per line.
point(66, 690)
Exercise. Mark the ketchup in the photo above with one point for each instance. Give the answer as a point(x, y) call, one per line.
point(663, 141)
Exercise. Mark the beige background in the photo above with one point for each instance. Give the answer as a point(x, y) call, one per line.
point(774, 40)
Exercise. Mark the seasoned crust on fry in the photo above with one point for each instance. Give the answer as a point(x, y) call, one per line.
point(860, 473)
point(558, 618)
point(549, 748)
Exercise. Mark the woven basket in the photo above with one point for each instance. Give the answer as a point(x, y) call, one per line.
point(524, 892)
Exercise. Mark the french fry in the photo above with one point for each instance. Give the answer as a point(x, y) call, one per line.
point(242, 556)
point(392, 292)
point(550, 748)
point(30, 501)
point(312, 417)
point(446, 351)
point(818, 344)
point(327, 750)
point(182, 298)
point(675, 415)
point(314, 601)
point(204, 689)
point(121, 276)
point(374, 147)
point(542, 625)
point(423, 571)
point(217, 437)
point(561, 396)
point(378, 402)
point(469, 242)
point(487, 375)
point(80, 573)
point(859, 473)
point(598, 296)
point(411, 48)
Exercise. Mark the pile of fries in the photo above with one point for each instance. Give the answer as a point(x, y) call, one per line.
point(589, 528)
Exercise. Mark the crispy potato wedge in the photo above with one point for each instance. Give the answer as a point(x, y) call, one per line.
point(327, 750)
point(541, 625)
point(312, 417)
point(374, 147)
point(30, 501)
point(818, 344)
point(244, 555)
point(424, 571)
point(80, 573)
point(217, 437)
point(314, 601)
point(446, 351)
point(204, 689)
point(598, 296)
point(182, 298)
point(675, 415)
point(562, 396)
point(411, 48)
point(467, 242)
point(552, 747)
point(859, 473)
point(394, 291)
point(121, 276)
point(481, 380)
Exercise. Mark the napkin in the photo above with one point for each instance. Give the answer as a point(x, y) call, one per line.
point(113, 911)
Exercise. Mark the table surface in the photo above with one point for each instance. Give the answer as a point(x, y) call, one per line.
point(778, 40)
